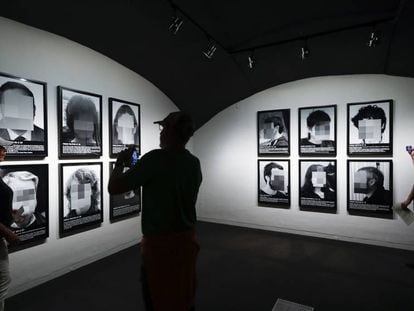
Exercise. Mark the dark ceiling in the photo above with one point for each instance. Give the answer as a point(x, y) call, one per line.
point(136, 34)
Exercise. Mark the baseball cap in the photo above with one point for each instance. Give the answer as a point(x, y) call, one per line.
point(180, 122)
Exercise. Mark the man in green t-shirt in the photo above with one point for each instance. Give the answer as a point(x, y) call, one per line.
point(170, 178)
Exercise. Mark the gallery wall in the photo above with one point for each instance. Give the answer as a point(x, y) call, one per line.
point(34, 54)
point(227, 148)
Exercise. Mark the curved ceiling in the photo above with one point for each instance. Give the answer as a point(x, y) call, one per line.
point(136, 34)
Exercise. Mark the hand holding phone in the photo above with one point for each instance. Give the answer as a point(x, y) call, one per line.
point(409, 149)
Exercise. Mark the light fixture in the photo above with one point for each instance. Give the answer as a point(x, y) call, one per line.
point(175, 24)
point(211, 48)
point(251, 61)
point(305, 52)
point(373, 39)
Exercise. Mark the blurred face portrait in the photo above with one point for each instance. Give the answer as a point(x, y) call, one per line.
point(16, 110)
point(361, 182)
point(80, 197)
point(319, 178)
point(321, 130)
point(277, 179)
point(370, 130)
point(84, 126)
point(126, 129)
point(24, 200)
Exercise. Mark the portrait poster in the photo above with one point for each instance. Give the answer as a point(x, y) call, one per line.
point(80, 126)
point(370, 128)
point(273, 130)
point(126, 204)
point(317, 131)
point(124, 120)
point(317, 189)
point(30, 205)
point(370, 186)
point(23, 117)
point(80, 196)
point(274, 183)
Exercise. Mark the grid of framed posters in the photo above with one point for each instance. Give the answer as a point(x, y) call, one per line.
point(124, 129)
point(80, 196)
point(23, 117)
point(30, 187)
point(80, 124)
point(317, 185)
point(370, 128)
point(370, 187)
point(273, 130)
point(274, 182)
point(125, 204)
point(317, 131)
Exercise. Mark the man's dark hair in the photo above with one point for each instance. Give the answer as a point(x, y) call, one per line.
point(316, 117)
point(277, 121)
point(376, 173)
point(267, 171)
point(10, 85)
point(370, 112)
point(80, 105)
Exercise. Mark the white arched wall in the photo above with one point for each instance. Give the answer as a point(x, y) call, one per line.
point(227, 148)
point(34, 54)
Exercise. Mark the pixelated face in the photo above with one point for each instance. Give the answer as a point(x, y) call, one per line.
point(277, 179)
point(361, 182)
point(80, 197)
point(84, 127)
point(16, 110)
point(322, 130)
point(126, 129)
point(319, 178)
point(269, 130)
point(24, 200)
point(369, 130)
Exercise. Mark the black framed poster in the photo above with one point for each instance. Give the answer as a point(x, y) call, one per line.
point(370, 128)
point(317, 131)
point(23, 117)
point(30, 187)
point(80, 124)
point(124, 129)
point(273, 130)
point(274, 182)
point(125, 204)
point(370, 187)
point(317, 185)
point(80, 195)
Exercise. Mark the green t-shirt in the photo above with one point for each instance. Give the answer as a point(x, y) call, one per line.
point(170, 181)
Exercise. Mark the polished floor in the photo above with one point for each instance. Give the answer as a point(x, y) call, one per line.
point(245, 269)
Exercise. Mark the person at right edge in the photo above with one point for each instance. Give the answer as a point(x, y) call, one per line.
point(170, 178)
point(6, 219)
point(410, 197)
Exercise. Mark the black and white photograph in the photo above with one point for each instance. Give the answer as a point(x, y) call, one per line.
point(274, 182)
point(23, 117)
point(80, 126)
point(30, 204)
point(317, 131)
point(370, 186)
point(80, 195)
point(370, 128)
point(126, 204)
point(317, 185)
point(124, 120)
point(273, 127)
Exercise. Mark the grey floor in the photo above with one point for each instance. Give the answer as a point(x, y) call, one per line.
point(245, 269)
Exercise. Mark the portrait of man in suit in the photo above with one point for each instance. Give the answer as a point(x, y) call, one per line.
point(17, 114)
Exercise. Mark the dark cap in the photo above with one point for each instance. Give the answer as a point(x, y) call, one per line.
point(180, 122)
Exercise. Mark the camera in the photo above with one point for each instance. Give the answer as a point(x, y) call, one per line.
point(132, 156)
point(409, 149)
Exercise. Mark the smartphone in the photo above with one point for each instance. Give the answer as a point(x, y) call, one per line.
point(409, 149)
point(134, 157)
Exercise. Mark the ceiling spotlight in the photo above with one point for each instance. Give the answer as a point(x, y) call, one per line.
point(175, 24)
point(305, 52)
point(251, 61)
point(209, 52)
point(373, 39)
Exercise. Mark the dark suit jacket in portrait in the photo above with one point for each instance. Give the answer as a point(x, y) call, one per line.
point(38, 134)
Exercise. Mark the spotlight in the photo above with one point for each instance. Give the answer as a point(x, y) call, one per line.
point(209, 52)
point(304, 51)
point(373, 39)
point(251, 61)
point(175, 25)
